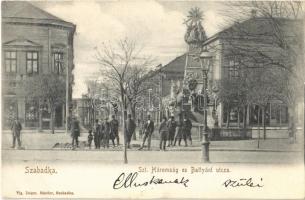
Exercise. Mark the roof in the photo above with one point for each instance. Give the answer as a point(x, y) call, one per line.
point(257, 27)
point(21, 42)
point(176, 65)
point(19, 11)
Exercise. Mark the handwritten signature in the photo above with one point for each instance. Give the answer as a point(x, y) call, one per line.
point(129, 181)
point(243, 182)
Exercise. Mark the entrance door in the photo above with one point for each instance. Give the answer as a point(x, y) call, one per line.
point(58, 116)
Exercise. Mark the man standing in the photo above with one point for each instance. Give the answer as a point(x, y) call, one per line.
point(180, 133)
point(106, 133)
point(16, 131)
point(75, 132)
point(97, 132)
point(163, 130)
point(129, 128)
point(187, 127)
point(114, 124)
point(172, 129)
point(148, 130)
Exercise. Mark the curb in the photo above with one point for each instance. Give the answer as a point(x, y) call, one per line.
point(169, 150)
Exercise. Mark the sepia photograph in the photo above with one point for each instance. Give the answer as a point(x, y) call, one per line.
point(158, 98)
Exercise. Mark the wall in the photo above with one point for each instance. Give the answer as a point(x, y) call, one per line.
point(49, 38)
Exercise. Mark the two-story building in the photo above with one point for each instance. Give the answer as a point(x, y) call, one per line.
point(34, 42)
point(233, 53)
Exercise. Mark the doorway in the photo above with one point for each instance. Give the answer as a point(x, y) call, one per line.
point(58, 116)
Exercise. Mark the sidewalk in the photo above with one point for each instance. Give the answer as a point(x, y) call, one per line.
point(44, 141)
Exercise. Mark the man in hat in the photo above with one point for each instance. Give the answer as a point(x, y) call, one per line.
point(186, 128)
point(114, 124)
point(75, 131)
point(180, 133)
point(163, 130)
point(148, 131)
point(130, 127)
point(172, 129)
point(97, 133)
point(106, 132)
point(16, 131)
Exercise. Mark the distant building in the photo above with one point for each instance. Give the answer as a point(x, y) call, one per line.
point(164, 84)
point(33, 42)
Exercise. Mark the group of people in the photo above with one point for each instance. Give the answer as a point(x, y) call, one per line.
point(103, 131)
point(170, 131)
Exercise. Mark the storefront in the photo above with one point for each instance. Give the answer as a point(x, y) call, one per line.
point(276, 115)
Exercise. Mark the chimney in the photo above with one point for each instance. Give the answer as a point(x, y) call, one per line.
point(253, 13)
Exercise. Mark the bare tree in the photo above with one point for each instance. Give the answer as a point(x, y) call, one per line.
point(46, 87)
point(232, 92)
point(120, 65)
point(137, 86)
point(269, 35)
point(93, 95)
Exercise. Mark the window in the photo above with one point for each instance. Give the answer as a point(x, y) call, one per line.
point(11, 61)
point(233, 69)
point(12, 84)
point(58, 63)
point(31, 113)
point(32, 62)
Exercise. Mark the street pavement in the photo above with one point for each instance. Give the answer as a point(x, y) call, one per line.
point(46, 140)
point(153, 156)
point(39, 146)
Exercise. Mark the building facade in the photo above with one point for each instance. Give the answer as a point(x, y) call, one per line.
point(245, 48)
point(34, 42)
point(234, 52)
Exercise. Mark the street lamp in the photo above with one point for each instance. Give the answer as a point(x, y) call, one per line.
point(205, 61)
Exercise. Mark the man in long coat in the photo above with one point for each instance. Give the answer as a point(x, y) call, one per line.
point(114, 124)
point(172, 130)
point(148, 131)
point(16, 131)
point(97, 133)
point(180, 134)
point(106, 132)
point(130, 127)
point(75, 132)
point(187, 127)
point(163, 130)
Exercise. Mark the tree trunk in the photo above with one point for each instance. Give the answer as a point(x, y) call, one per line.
point(133, 114)
point(238, 117)
point(245, 117)
point(244, 121)
point(228, 118)
point(264, 121)
point(291, 124)
point(124, 116)
point(258, 126)
point(40, 115)
point(52, 120)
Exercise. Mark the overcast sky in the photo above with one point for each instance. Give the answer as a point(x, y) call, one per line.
point(156, 24)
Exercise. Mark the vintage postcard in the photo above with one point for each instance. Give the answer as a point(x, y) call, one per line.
point(152, 99)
